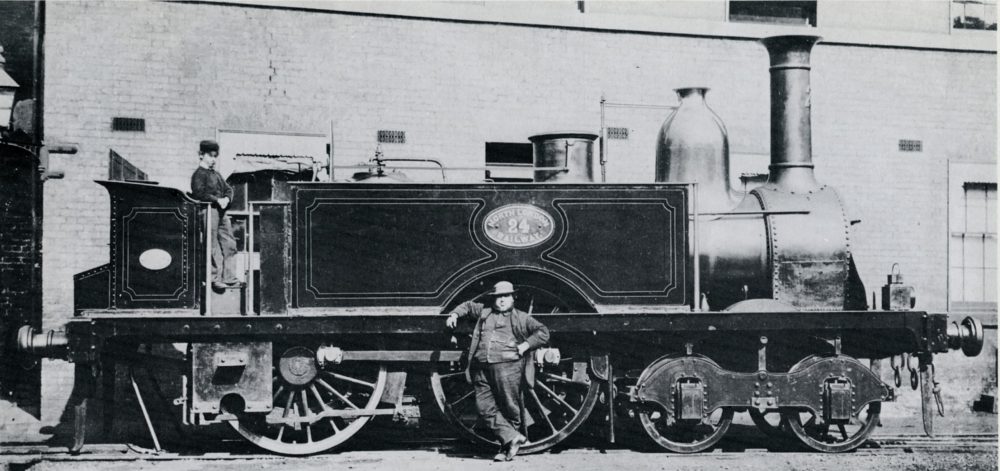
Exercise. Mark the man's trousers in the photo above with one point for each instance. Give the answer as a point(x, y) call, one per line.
point(498, 396)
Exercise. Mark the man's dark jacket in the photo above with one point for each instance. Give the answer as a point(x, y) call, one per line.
point(524, 327)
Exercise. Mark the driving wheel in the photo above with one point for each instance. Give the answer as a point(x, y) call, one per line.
point(314, 409)
point(563, 397)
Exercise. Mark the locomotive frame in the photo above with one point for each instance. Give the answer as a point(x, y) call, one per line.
point(701, 380)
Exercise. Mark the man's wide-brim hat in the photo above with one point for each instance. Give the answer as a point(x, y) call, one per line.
point(502, 288)
point(207, 146)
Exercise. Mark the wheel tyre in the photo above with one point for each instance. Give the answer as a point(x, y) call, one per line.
point(820, 440)
point(719, 429)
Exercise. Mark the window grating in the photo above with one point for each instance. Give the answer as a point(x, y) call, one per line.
point(617, 133)
point(391, 137)
point(911, 145)
point(128, 124)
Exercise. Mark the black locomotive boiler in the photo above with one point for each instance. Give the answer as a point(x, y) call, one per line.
point(677, 303)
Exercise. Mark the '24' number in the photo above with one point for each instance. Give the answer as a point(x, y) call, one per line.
point(515, 225)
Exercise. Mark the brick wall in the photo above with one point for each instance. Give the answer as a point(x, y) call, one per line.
point(17, 242)
point(19, 275)
point(190, 69)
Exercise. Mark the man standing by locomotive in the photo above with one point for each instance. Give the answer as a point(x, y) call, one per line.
point(497, 359)
point(209, 186)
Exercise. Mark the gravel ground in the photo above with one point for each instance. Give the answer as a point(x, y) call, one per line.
point(744, 448)
point(574, 460)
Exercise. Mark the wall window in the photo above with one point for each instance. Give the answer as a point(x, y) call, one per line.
point(973, 258)
point(974, 14)
point(509, 162)
point(251, 151)
point(774, 12)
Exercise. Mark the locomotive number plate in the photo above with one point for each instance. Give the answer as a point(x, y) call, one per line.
point(518, 226)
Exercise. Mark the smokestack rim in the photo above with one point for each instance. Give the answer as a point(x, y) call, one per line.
point(563, 135)
point(790, 50)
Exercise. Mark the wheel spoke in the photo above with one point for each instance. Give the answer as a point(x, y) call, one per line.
point(309, 433)
point(544, 410)
point(565, 380)
point(277, 393)
point(336, 393)
point(281, 431)
point(466, 396)
point(319, 398)
point(350, 379)
point(333, 424)
point(305, 404)
point(288, 406)
point(556, 397)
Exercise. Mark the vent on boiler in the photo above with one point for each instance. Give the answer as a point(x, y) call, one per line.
point(392, 137)
point(128, 124)
point(911, 145)
point(617, 133)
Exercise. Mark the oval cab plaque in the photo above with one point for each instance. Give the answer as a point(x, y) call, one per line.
point(155, 259)
point(518, 226)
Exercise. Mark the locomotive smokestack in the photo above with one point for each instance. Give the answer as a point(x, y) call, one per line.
point(791, 134)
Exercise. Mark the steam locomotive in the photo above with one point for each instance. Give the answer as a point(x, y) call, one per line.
point(677, 303)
